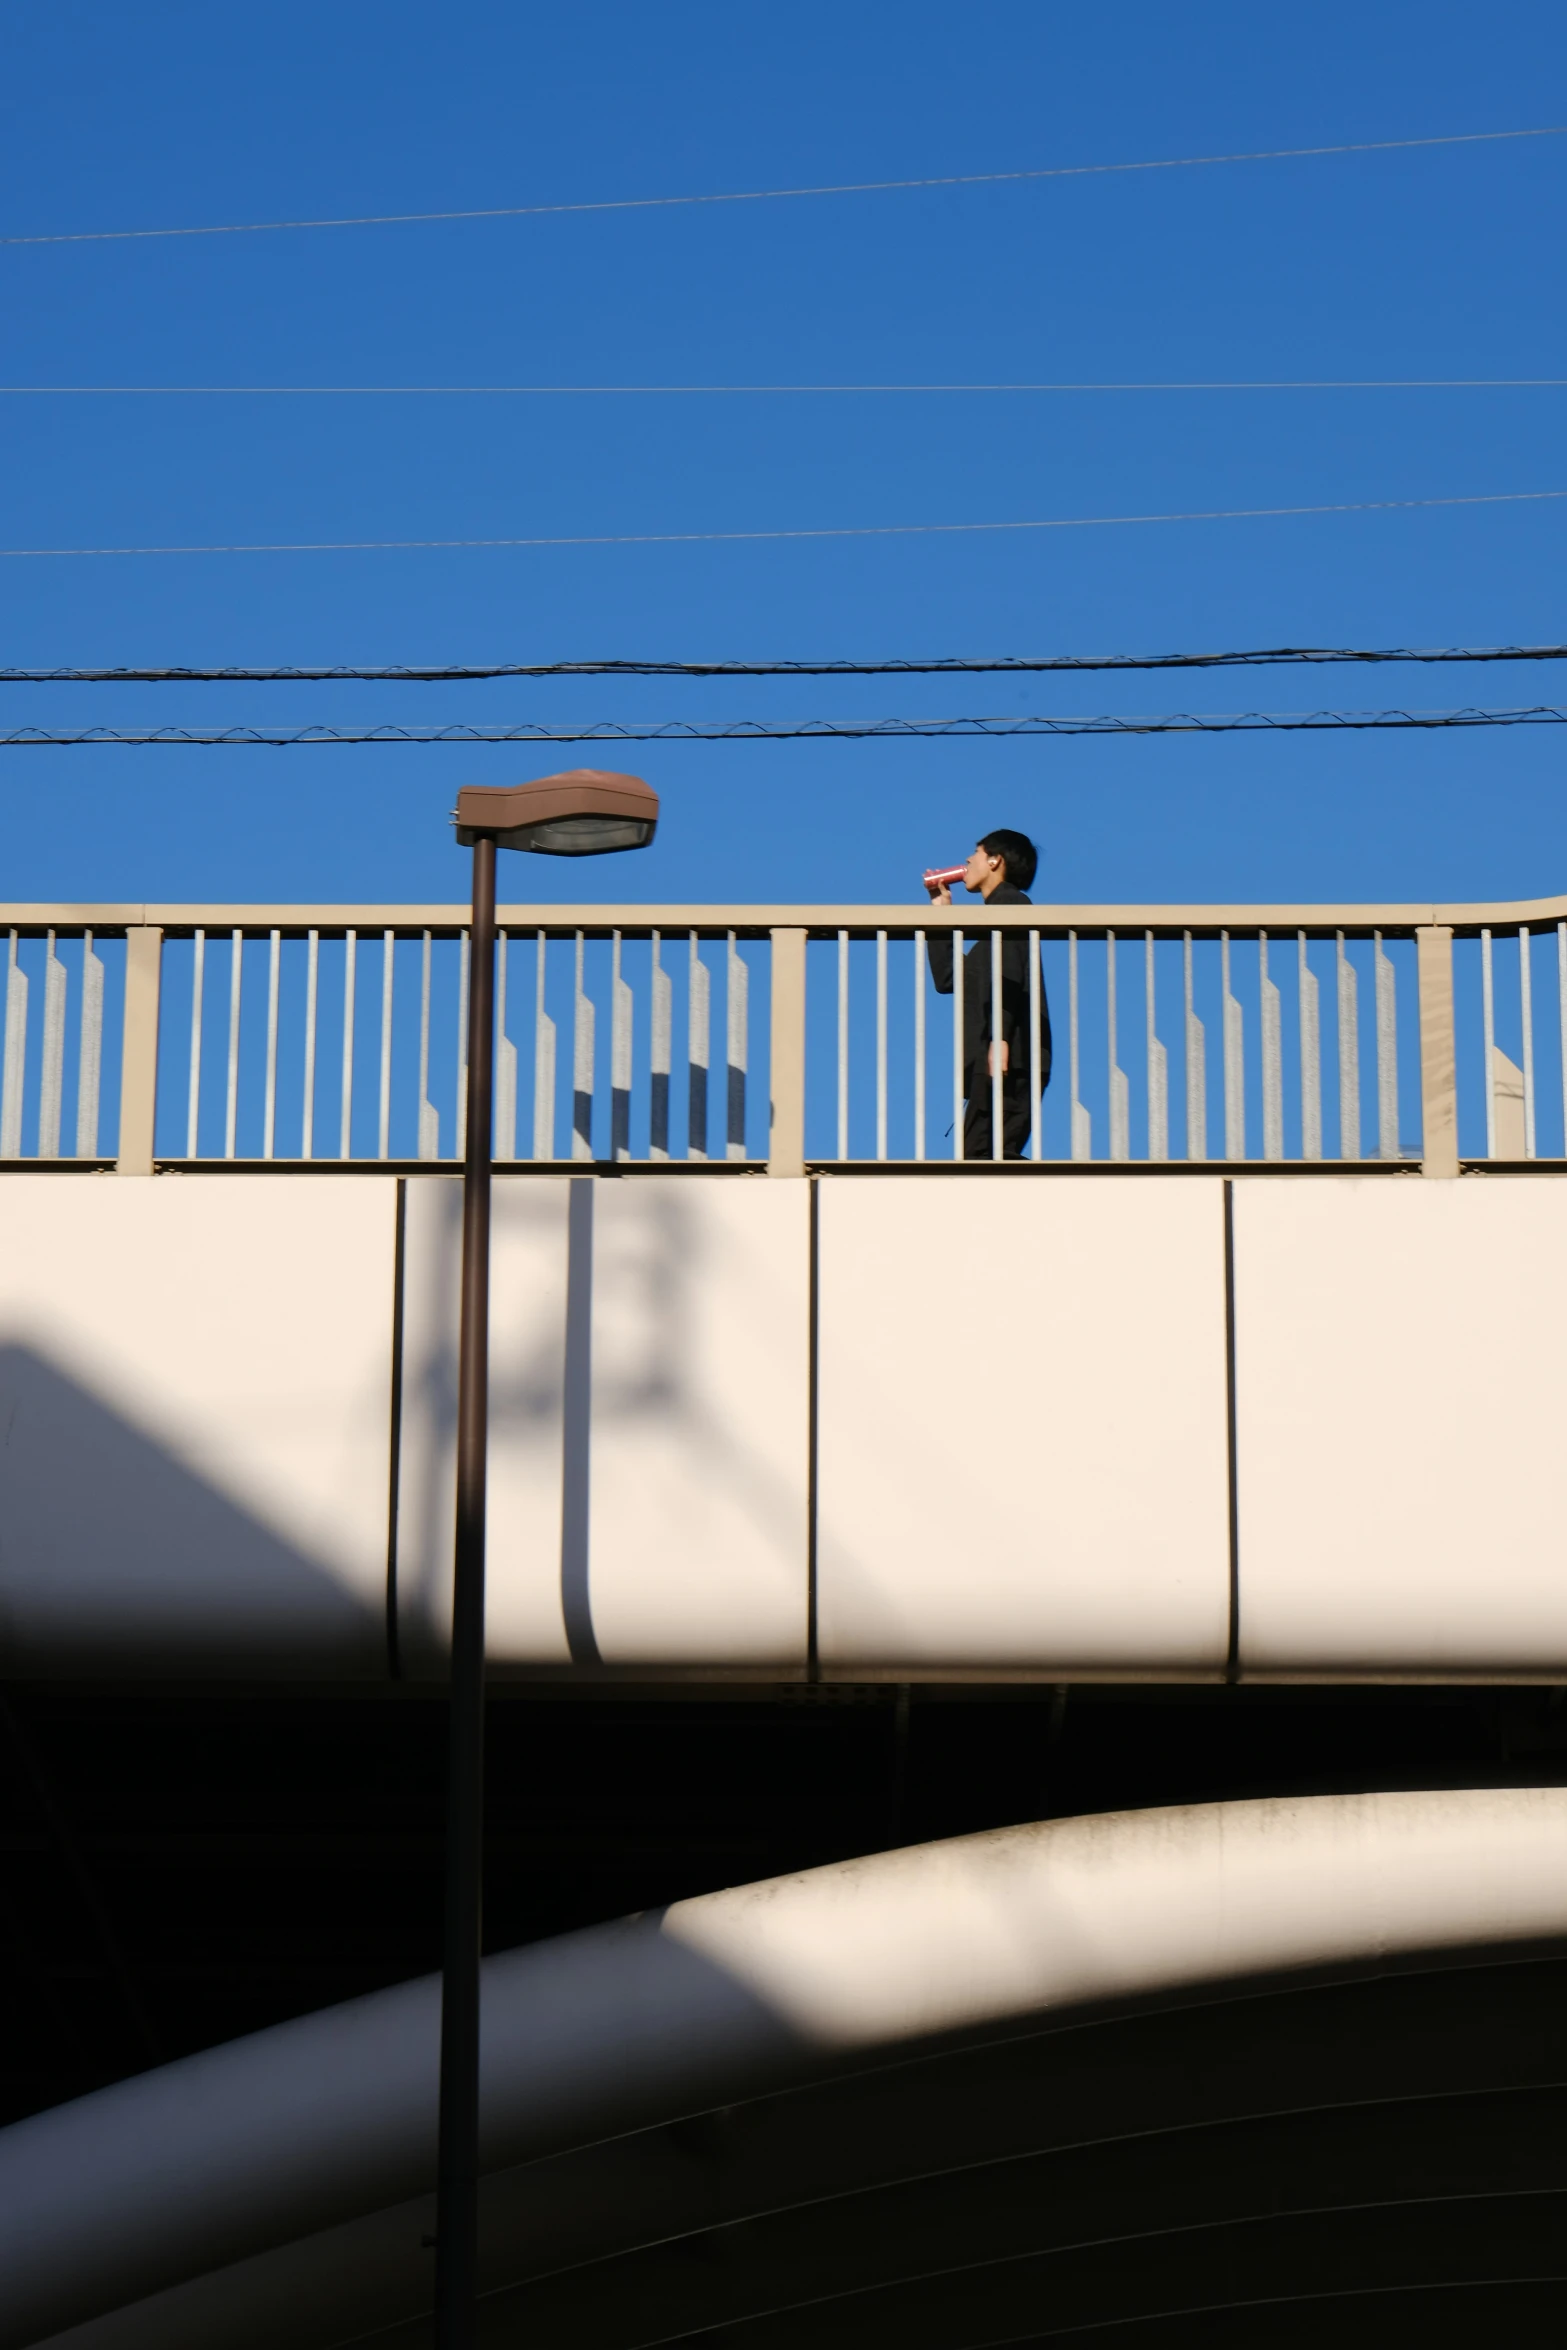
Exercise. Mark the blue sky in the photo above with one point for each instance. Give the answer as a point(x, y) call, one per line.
point(1437, 262)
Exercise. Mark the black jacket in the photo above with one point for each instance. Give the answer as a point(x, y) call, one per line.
point(1015, 1021)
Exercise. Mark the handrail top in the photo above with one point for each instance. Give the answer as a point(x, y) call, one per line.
point(753, 920)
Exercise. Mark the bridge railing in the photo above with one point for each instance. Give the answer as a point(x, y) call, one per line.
point(782, 1038)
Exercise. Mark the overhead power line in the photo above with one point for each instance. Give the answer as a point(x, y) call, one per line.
point(954, 665)
point(870, 530)
point(1411, 383)
point(762, 730)
point(963, 179)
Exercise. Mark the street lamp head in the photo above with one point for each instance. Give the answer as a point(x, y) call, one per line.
point(581, 814)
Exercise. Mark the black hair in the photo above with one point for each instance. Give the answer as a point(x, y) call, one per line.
point(1017, 852)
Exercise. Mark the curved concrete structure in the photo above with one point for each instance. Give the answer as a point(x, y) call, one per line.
point(727, 2114)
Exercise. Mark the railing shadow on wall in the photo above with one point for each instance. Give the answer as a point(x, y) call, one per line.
point(597, 1345)
point(745, 1036)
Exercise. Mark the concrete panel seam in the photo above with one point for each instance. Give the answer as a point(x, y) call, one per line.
point(394, 1656)
point(1232, 1662)
point(813, 1667)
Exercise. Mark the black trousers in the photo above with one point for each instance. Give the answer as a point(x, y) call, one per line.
point(1017, 1120)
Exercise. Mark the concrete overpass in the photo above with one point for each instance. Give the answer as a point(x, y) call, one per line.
point(1261, 1403)
point(1258, 1344)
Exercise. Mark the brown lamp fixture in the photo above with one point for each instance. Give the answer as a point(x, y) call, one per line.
point(580, 814)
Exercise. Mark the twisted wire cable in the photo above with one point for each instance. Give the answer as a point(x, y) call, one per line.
point(955, 665)
point(761, 730)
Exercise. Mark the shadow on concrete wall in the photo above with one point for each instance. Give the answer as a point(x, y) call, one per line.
point(115, 1554)
point(555, 1384)
point(526, 1393)
point(541, 1403)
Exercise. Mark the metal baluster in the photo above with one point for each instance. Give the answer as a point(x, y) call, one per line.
point(1272, 1058)
point(51, 1078)
point(197, 989)
point(388, 968)
point(1387, 1049)
point(619, 1058)
point(1234, 1061)
point(269, 1114)
point(543, 1065)
point(89, 1052)
point(14, 1075)
point(659, 1058)
point(1196, 1066)
point(737, 1008)
point(1036, 1036)
point(699, 1044)
point(307, 1129)
point(1082, 1120)
point(1526, 1002)
point(843, 1044)
point(919, 1045)
point(1119, 1089)
point(582, 1064)
point(429, 1116)
point(505, 1059)
point(994, 1046)
point(997, 1023)
point(236, 974)
point(881, 1044)
point(1158, 1068)
point(464, 951)
point(1310, 1058)
point(997, 1045)
point(350, 962)
point(1488, 1011)
point(957, 1044)
point(1348, 1056)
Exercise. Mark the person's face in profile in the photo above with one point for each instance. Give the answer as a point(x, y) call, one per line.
point(982, 870)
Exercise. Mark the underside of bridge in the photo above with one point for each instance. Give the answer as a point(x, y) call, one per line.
point(1381, 2163)
point(1376, 2164)
point(187, 1864)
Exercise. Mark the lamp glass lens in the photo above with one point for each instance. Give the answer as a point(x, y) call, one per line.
point(580, 836)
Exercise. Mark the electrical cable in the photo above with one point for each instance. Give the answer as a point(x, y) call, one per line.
point(869, 530)
point(1413, 383)
point(966, 179)
point(956, 665)
point(761, 730)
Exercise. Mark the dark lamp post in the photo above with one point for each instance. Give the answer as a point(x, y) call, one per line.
point(583, 814)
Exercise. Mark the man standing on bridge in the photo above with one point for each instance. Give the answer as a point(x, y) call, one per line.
point(999, 871)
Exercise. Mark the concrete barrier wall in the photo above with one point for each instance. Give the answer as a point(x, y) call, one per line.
point(1023, 1425)
point(650, 1394)
point(194, 1385)
point(1401, 1399)
point(1022, 1392)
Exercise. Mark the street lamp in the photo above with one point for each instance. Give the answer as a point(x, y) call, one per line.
point(584, 814)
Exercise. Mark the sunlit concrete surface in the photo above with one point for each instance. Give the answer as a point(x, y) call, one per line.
point(1401, 1388)
point(1023, 1425)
